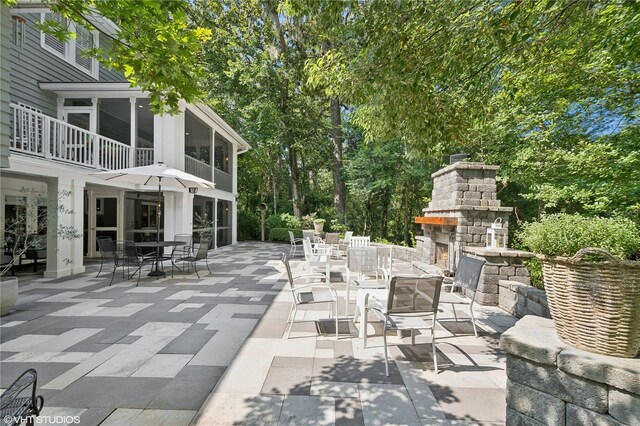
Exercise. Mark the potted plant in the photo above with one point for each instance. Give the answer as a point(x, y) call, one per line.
point(318, 225)
point(591, 279)
point(25, 233)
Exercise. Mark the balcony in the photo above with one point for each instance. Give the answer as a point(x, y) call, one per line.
point(39, 135)
point(197, 168)
point(144, 156)
point(222, 180)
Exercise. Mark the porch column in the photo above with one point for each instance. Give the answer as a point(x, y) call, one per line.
point(93, 125)
point(215, 223)
point(234, 221)
point(168, 143)
point(169, 215)
point(182, 214)
point(64, 256)
point(134, 131)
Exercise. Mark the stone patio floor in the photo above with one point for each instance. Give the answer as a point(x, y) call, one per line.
point(211, 351)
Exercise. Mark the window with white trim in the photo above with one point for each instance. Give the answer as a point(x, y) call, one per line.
point(71, 50)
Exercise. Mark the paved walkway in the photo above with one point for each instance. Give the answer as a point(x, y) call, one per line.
point(211, 351)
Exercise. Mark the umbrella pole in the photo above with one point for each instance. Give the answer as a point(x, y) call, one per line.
point(157, 272)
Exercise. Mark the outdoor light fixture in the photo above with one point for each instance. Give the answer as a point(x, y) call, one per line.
point(193, 190)
point(496, 235)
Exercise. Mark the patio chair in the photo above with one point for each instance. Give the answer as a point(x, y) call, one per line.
point(467, 276)
point(344, 244)
point(133, 257)
point(317, 257)
point(201, 254)
point(331, 239)
point(410, 303)
point(182, 250)
point(309, 233)
point(106, 247)
point(295, 242)
point(310, 293)
point(109, 254)
point(362, 262)
point(360, 242)
point(15, 406)
point(385, 258)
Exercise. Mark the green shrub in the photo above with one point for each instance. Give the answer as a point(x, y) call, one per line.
point(248, 226)
point(535, 272)
point(282, 234)
point(282, 220)
point(564, 235)
point(306, 222)
point(336, 226)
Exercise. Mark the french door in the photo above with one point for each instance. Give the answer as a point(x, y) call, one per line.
point(104, 217)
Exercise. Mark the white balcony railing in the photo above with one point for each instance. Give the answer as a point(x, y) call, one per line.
point(222, 180)
point(38, 134)
point(197, 168)
point(144, 156)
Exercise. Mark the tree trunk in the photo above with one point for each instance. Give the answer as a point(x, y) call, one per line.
point(336, 158)
point(407, 215)
point(295, 176)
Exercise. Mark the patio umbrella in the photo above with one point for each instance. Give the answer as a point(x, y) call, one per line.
point(156, 174)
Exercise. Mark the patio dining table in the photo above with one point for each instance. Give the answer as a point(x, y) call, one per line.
point(159, 245)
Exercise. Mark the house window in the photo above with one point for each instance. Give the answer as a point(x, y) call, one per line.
point(18, 29)
point(72, 50)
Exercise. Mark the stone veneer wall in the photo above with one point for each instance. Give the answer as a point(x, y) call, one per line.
point(520, 299)
point(552, 383)
point(501, 265)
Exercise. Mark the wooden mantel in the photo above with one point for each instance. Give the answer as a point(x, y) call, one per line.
point(437, 220)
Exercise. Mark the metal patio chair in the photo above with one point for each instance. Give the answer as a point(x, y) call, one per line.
point(411, 304)
point(467, 277)
point(362, 271)
point(317, 257)
point(201, 254)
point(109, 253)
point(310, 293)
point(295, 242)
point(183, 250)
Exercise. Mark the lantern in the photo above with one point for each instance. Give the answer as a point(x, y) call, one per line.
point(496, 235)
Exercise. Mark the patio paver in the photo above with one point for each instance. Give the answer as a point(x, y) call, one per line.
point(211, 350)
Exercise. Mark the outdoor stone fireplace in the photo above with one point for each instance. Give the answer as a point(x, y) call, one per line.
point(464, 204)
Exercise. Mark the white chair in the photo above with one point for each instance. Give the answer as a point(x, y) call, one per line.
point(309, 294)
point(295, 242)
point(360, 242)
point(410, 303)
point(309, 233)
point(385, 258)
point(317, 257)
point(467, 276)
point(344, 244)
point(332, 239)
point(362, 262)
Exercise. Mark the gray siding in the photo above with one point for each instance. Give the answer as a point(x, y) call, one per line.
point(32, 64)
point(5, 31)
point(105, 73)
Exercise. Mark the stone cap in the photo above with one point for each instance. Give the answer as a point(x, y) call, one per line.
point(464, 165)
point(493, 252)
point(535, 338)
point(468, 208)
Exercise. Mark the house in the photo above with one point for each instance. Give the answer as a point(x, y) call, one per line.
point(66, 117)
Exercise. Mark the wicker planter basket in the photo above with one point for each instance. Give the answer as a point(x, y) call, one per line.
point(595, 305)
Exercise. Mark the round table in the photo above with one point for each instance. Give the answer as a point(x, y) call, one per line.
point(158, 245)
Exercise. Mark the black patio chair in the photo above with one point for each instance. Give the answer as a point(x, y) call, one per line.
point(134, 258)
point(201, 254)
point(14, 409)
point(109, 253)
